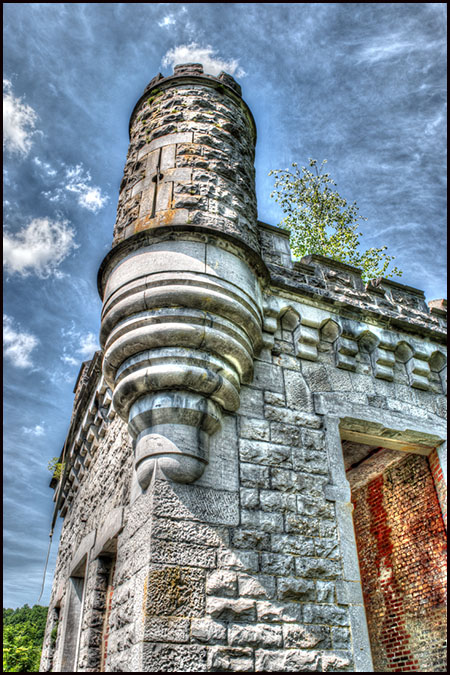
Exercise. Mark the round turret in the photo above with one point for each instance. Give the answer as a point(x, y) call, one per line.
point(191, 156)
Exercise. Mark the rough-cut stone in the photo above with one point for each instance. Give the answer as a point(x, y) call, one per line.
point(239, 404)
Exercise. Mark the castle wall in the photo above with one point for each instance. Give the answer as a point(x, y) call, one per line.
point(208, 515)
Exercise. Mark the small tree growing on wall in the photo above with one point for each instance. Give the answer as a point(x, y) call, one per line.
point(321, 221)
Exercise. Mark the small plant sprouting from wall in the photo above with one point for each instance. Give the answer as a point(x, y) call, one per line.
point(56, 467)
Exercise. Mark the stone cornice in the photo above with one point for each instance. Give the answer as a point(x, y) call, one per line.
point(170, 232)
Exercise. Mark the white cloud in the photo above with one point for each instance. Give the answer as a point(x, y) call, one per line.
point(167, 21)
point(77, 343)
point(76, 180)
point(38, 430)
point(70, 360)
point(38, 248)
point(18, 122)
point(44, 166)
point(88, 345)
point(17, 345)
point(195, 53)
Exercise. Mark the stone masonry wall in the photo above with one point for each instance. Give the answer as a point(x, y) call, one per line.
point(229, 545)
point(105, 486)
point(401, 544)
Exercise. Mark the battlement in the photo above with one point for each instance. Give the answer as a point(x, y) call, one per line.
point(191, 72)
point(330, 282)
point(240, 404)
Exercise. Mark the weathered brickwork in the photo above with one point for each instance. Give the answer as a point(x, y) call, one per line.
point(401, 544)
point(439, 483)
point(207, 511)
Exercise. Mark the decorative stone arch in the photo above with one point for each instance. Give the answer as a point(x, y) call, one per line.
point(349, 421)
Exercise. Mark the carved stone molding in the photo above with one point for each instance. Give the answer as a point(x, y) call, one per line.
point(182, 321)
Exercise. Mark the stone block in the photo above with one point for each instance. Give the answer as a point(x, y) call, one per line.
point(242, 561)
point(277, 564)
point(260, 452)
point(315, 507)
point(341, 638)
point(252, 540)
point(295, 590)
point(317, 568)
point(272, 500)
point(335, 662)
point(268, 376)
point(230, 609)
point(273, 398)
point(192, 502)
point(327, 548)
point(259, 635)
point(254, 429)
point(256, 586)
point(175, 591)
point(208, 631)
point(285, 543)
point(287, 660)
point(223, 583)
point(177, 553)
point(279, 612)
point(163, 629)
point(230, 659)
point(254, 475)
point(190, 532)
point(306, 637)
point(161, 658)
point(285, 434)
point(303, 525)
point(325, 591)
point(329, 615)
point(251, 402)
point(298, 395)
point(294, 417)
point(249, 498)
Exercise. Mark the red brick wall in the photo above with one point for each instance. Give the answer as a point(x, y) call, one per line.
point(401, 546)
point(439, 483)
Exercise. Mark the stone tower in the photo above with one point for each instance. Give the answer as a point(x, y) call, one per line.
point(253, 477)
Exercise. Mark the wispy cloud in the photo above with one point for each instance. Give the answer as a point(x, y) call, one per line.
point(38, 430)
point(88, 345)
point(76, 180)
point(166, 21)
point(39, 248)
point(195, 53)
point(17, 344)
point(78, 346)
point(19, 120)
point(89, 196)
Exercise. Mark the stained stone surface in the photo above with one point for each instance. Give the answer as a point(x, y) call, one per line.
point(252, 565)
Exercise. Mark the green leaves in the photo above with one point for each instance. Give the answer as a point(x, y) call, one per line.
point(322, 222)
point(23, 633)
point(56, 467)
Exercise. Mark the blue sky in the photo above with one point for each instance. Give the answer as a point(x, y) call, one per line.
point(361, 85)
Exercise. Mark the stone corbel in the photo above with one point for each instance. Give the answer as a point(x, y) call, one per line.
point(346, 347)
point(438, 364)
point(270, 323)
point(383, 358)
point(306, 341)
point(418, 368)
point(182, 321)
